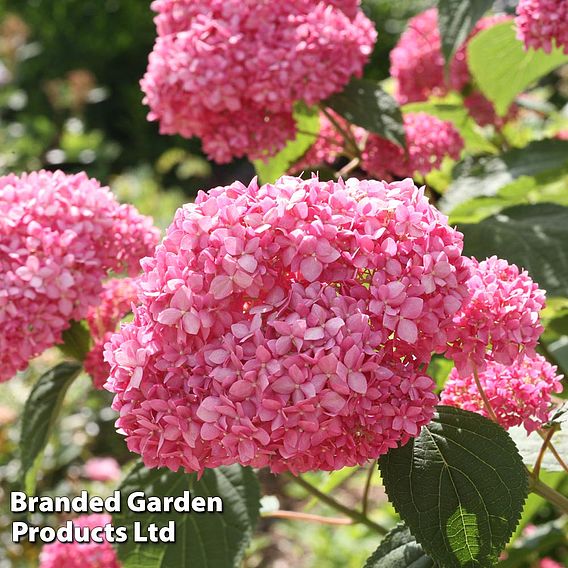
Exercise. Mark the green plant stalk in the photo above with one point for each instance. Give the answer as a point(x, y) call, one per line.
point(550, 494)
point(331, 502)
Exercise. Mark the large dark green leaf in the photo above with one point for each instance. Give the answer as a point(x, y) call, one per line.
point(488, 176)
point(40, 413)
point(534, 237)
point(503, 69)
point(203, 540)
point(76, 341)
point(459, 486)
point(365, 104)
point(399, 549)
point(456, 19)
point(307, 124)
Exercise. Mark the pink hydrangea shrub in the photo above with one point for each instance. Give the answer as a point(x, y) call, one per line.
point(549, 563)
point(417, 64)
point(230, 71)
point(81, 555)
point(102, 469)
point(429, 140)
point(116, 301)
point(543, 24)
point(287, 326)
point(59, 237)
point(519, 393)
point(501, 320)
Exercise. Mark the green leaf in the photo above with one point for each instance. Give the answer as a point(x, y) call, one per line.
point(40, 413)
point(365, 104)
point(76, 341)
point(503, 69)
point(307, 123)
point(532, 236)
point(487, 176)
point(203, 540)
point(399, 549)
point(456, 19)
point(459, 486)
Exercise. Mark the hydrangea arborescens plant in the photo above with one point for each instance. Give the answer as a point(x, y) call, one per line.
point(230, 71)
point(59, 236)
point(287, 325)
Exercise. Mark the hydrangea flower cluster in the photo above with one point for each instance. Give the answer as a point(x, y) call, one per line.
point(81, 555)
point(429, 140)
point(519, 393)
point(116, 302)
point(543, 24)
point(288, 326)
point(417, 64)
point(230, 71)
point(501, 320)
point(59, 237)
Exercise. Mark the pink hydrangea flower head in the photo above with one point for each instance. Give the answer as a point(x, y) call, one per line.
point(286, 325)
point(230, 71)
point(417, 63)
point(81, 555)
point(520, 394)
point(483, 112)
point(59, 237)
point(501, 320)
point(429, 140)
point(116, 302)
point(543, 24)
point(549, 563)
point(102, 469)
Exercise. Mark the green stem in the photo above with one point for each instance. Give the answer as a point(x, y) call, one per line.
point(330, 501)
point(346, 133)
point(550, 494)
point(365, 506)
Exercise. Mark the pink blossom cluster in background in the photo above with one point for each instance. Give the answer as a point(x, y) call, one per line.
point(116, 301)
point(519, 393)
point(288, 326)
point(429, 140)
point(102, 469)
point(549, 563)
point(81, 555)
point(59, 237)
point(543, 24)
point(417, 65)
point(230, 71)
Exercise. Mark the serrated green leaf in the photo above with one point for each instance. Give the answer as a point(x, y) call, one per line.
point(456, 19)
point(203, 540)
point(365, 104)
point(459, 486)
point(40, 413)
point(399, 549)
point(532, 236)
point(503, 69)
point(487, 176)
point(308, 126)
